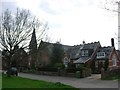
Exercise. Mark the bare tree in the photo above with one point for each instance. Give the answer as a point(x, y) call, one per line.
point(16, 30)
point(112, 5)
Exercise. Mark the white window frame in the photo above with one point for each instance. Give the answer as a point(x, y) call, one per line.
point(101, 55)
point(114, 60)
point(84, 53)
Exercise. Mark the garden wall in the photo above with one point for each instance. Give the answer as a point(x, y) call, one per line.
point(62, 72)
point(108, 73)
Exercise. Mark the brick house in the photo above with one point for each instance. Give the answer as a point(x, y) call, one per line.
point(107, 53)
point(76, 54)
point(84, 54)
point(118, 53)
point(108, 57)
point(94, 52)
point(87, 54)
point(114, 60)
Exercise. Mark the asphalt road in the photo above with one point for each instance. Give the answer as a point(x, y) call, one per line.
point(89, 82)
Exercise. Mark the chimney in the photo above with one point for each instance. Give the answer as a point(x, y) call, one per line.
point(83, 42)
point(112, 42)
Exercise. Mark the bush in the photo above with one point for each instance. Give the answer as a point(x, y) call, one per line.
point(71, 65)
point(77, 74)
point(114, 72)
point(59, 65)
point(52, 67)
point(111, 74)
point(106, 64)
point(73, 70)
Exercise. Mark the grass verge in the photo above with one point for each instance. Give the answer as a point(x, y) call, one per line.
point(19, 82)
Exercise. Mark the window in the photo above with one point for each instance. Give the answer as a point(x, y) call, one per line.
point(114, 60)
point(101, 55)
point(84, 53)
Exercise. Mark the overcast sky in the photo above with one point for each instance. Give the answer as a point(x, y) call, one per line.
point(72, 21)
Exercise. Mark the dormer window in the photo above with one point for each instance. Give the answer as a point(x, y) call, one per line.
point(101, 55)
point(84, 53)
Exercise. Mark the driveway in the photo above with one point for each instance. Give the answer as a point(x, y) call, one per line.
point(89, 82)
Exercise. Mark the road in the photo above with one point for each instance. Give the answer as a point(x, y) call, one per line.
point(89, 82)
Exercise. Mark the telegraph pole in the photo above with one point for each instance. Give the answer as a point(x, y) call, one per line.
point(119, 25)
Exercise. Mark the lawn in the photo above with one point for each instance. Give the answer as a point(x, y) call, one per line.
point(18, 82)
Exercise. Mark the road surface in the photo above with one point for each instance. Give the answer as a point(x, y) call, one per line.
point(89, 82)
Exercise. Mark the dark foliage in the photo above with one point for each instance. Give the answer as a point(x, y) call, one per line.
point(114, 72)
point(106, 64)
point(93, 66)
point(57, 54)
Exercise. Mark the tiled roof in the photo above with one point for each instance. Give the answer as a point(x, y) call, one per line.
point(91, 45)
point(88, 46)
point(74, 52)
point(66, 47)
point(107, 50)
point(82, 60)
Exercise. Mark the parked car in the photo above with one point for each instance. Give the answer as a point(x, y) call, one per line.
point(12, 71)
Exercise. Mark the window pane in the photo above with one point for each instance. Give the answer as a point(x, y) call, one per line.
point(114, 60)
point(100, 54)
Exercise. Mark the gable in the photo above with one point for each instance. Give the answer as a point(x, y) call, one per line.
point(112, 54)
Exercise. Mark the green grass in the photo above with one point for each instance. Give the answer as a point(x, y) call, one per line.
point(18, 82)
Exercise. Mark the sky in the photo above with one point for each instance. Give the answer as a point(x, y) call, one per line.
point(72, 21)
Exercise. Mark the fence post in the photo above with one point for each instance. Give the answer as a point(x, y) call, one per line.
point(103, 73)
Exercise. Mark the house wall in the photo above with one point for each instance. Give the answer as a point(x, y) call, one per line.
point(117, 58)
point(89, 62)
